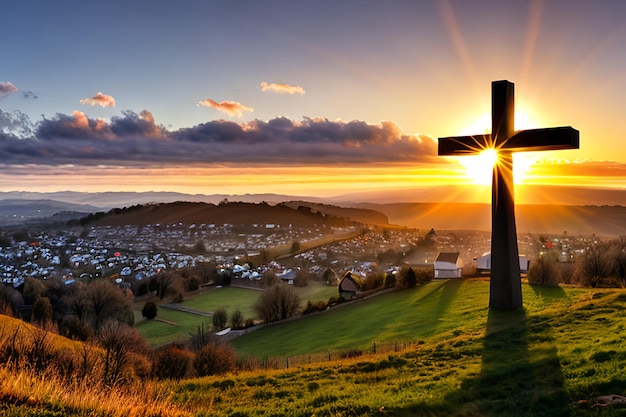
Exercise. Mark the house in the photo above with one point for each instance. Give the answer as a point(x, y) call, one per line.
point(348, 286)
point(483, 264)
point(288, 276)
point(448, 265)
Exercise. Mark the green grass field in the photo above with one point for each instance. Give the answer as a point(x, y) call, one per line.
point(553, 358)
point(208, 300)
point(158, 333)
point(429, 311)
point(229, 298)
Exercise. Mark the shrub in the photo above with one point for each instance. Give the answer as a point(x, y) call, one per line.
point(199, 338)
point(172, 363)
point(123, 347)
point(220, 318)
point(352, 353)
point(236, 319)
point(149, 310)
point(192, 283)
point(42, 311)
point(544, 271)
point(73, 328)
point(214, 359)
point(312, 308)
point(277, 303)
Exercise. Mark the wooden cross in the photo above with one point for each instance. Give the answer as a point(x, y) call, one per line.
point(505, 291)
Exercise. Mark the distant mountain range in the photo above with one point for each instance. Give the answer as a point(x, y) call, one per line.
point(570, 209)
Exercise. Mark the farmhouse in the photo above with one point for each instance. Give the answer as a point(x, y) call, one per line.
point(448, 265)
point(483, 264)
point(348, 286)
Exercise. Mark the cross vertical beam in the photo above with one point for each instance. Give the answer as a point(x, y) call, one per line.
point(505, 291)
point(505, 287)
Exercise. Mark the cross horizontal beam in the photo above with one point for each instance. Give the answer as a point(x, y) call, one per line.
point(549, 139)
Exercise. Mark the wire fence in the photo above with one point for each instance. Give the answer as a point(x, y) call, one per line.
point(329, 356)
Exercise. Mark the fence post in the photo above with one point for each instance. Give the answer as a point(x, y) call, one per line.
point(287, 361)
point(374, 347)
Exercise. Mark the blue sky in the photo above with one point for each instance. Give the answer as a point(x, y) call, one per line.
point(372, 83)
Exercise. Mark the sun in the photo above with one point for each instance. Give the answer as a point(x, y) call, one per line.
point(479, 167)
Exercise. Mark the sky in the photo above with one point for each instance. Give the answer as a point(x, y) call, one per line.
point(312, 98)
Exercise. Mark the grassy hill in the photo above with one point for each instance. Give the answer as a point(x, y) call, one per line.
point(556, 357)
point(237, 213)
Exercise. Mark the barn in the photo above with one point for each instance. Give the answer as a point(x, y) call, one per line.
point(348, 286)
point(448, 265)
point(483, 264)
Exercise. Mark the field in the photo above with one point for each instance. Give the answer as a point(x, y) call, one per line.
point(430, 311)
point(173, 325)
point(559, 356)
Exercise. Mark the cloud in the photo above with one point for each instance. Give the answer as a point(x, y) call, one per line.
point(16, 125)
point(7, 88)
point(231, 108)
point(282, 88)
point(30, 94)
point(100, 99)
point(135, 139)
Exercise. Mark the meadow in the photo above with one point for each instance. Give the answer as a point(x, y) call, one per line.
point(558, 356)
point(176, 325)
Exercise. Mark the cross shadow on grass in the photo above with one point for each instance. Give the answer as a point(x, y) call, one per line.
point(437, 304)
point(521, 374)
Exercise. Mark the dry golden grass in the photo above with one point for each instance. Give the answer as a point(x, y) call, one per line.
point(66, 376)
point(46, 391)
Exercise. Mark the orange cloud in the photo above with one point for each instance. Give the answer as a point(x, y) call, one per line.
point(7, 88)
point(282, 88)
point(100, 99)
point(80, 120)
point(229, 107)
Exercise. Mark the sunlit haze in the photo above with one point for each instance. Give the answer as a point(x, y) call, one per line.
point(303, 98)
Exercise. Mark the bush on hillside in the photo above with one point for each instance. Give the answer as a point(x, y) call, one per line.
point(42, 311)
point(149, 310)
point(124, 352)
point(544, 271)
point(73, 328)
point(172, 363)
point(236, 319)
point(314, 307)
point(220, 318)
point(277, 303)
point(214, 359)
point(373, 280)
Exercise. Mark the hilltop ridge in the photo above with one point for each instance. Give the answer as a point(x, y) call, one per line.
point(238, 213)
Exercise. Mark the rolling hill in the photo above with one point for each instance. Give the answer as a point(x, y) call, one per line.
point(237, 213)
point(553, 219)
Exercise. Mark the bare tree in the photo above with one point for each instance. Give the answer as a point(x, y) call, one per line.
point(33, 289)
point(165, 282)
point(544, 270)
point(120, 343)
point(278, 302)
point(593, 269)
point(106, 301)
